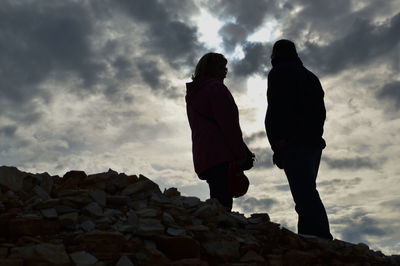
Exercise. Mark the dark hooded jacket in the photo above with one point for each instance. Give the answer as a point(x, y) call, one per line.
point(296, 111)
point(214, 121)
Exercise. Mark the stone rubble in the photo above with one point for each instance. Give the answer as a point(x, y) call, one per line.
point(115, 219)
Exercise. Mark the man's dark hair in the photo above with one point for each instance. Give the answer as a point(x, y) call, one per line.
point(284, 49)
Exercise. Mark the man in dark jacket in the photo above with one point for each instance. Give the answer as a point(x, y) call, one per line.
point(294, 123)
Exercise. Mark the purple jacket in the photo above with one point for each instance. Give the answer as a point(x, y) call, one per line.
point(214, 121)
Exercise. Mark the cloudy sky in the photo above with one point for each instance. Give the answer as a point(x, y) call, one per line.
point(100, 84)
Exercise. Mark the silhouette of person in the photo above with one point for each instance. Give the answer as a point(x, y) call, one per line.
point(214, 121)
point(294, 124)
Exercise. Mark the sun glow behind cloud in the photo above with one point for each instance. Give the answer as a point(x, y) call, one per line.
point(267, 33)
point(208, 27)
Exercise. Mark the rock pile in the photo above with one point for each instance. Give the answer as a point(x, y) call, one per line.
point(115, 219)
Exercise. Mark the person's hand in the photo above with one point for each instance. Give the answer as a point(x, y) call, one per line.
point(248, 161)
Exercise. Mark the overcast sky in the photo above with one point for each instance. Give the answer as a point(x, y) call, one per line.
point(93, 85)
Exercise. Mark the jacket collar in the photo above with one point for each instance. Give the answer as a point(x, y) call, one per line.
point(279, 61)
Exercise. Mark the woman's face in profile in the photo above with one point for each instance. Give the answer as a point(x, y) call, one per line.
point(222, 71)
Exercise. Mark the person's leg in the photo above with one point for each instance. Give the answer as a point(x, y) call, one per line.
point(301, 168)
point(217, 179)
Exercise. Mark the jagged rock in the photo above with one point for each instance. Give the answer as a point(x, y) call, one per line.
point(191, 202)
point(176, 231)
point(3, 252)
point(83, 258)
point(168, 219)
point(49, 213)
point(124, 261)
point(69, 219)
point(88, 226)
point(189, 262)
point(101, 244)
point(63, 209)
point(12, 178)
point(116, 219)
point(32, 227)
point(103, 181)
point(198, 228)
point(41, 253)
point(94, 209)
point(143, 184)
point(150, 255)
point(252, 256)
point(222, 250)
point(178, 247)
point(259, 218)
point(46, 204)
point(149, 227)
point(12, 262)
point(41, 193)
point(72, 179)
point(99, 196)
point(205, 211)
point(148, 213)
point(139, 204)
point(46, 182)
point(172, 192)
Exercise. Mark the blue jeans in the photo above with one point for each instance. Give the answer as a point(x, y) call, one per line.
point(301, 166)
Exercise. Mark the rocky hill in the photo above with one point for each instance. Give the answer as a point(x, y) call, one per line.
point(117, 219)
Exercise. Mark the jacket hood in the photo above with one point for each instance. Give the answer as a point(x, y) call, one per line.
point(195, 87)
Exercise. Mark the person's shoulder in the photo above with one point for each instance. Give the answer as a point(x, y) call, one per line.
point(272, 71)
point(275, 71)
point(214, 83)
point(280, 71)
point(311, 74)
point(211, 82)
point(213, 87)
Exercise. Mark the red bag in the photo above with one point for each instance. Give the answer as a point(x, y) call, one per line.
point(238, 181)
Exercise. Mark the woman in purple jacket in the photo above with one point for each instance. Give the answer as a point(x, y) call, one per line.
point(214, 121)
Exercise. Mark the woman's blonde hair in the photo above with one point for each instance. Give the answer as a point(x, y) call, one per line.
point(209, 65)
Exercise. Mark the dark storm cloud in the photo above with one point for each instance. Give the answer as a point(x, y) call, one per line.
point(124, 68)
point(245, 17)
point(351, 38)
point(39, 39)
point(254, 137)
point(393, 205)
point(350, 163)
point(253, 205)
point(249, 14)
point(167, 35)
point(315, 16)
point(365, 43)
point(359, 226)
point(232, 35)
point(263, 157)
point(255, 61)
point(150, 73)
point(8, 130)
point(263, 154)
point(284, 187)
point(67, 43)
point(331, 186)
point(391, 92)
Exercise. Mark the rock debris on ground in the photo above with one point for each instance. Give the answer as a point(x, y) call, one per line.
point(117, 219)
